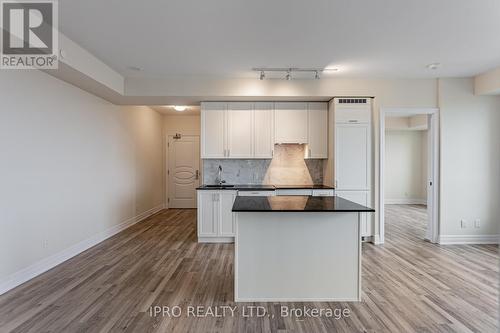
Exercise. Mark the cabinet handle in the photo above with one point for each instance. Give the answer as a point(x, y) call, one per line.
point(353, 121)
point(309, 152)
point(228, 152)
point(197, 175)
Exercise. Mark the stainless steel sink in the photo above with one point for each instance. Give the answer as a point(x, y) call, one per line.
point(219, 186)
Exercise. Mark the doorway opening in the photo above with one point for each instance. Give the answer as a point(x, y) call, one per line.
point(408, 171)
point(183, 170)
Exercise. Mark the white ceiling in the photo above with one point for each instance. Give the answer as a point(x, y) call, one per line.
point(226, 38)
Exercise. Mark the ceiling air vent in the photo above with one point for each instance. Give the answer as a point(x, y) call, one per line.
point(353, 100)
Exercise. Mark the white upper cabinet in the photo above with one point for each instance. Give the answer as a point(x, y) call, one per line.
point(240, 130)
point(291, 120)
point(263, 129)
point(318, 130)
point(250, 130)
point(213, 127)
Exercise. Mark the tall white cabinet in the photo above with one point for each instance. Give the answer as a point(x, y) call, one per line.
point(353, 155)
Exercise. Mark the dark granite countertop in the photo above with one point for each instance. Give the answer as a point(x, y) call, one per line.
point(240, 187)
point(288, 203)
point(260, 187)
point(304, 187)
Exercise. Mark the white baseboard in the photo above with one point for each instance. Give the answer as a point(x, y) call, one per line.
point(45, 264)
point(376, 240)
point(405, 201)
point(216, 239)
point(468, 239)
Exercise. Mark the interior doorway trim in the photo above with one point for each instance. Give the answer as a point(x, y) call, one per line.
point(432, 233)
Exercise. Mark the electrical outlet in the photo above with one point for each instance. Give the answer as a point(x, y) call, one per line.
point(477, 223)
point(463, 224)
point(45, 244)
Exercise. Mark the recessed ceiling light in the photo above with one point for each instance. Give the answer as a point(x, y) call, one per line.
point(180, 108)
point(135, 68)
point(434, 65)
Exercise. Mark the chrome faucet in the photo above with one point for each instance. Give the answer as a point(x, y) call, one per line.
point(220, 176)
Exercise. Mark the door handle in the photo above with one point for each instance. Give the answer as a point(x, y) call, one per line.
point(197, 175)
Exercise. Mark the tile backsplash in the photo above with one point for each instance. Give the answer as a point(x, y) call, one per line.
point(288, 167)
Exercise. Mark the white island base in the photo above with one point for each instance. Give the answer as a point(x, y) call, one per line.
point(297, 256)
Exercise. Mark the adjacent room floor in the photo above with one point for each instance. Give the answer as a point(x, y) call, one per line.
point(409, 285)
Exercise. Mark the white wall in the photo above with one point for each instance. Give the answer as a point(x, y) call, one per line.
point(470, 159)
point(405, 167)
point(182, 124)
point(73, 167)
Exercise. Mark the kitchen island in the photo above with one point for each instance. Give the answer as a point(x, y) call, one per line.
point(297, 248)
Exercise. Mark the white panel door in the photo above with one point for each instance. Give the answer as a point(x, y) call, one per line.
point(208, 214)
point(240, 130)
point(213, 128)
point(290, 122)
point(227, 217)
point(352, 157)
point(183, 171)
point(318, 130)
point(263, 130)
point(361, 198)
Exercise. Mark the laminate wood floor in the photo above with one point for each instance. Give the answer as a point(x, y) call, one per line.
point(409, 285)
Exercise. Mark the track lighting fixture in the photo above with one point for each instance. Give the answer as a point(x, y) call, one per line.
point(288, 76)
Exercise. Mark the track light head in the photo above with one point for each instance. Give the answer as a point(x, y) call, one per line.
point(316, 75)
point(288, 76)
point(262, 75)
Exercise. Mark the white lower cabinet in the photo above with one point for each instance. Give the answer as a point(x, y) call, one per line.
point(216, 220)
point(227, 218)
point(361, 198)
